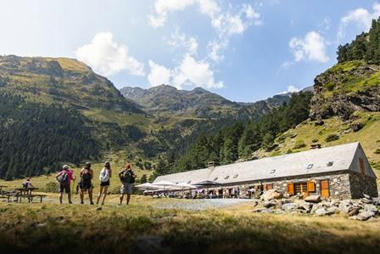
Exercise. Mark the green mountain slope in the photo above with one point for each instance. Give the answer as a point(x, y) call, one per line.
point(166, 100)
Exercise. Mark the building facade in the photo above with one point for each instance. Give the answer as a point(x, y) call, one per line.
point(341, 171)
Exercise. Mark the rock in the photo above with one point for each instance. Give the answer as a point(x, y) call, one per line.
point(271, 194)
point(289, 207)
point(320, 212)
point(354, 211)
point(366, 200)
point(268, 204)
point(346, 206)
point(98, 208)
point(366, 196)
point(332, 210)
point(376, 201)
point(363, 216)
point(255, 203)
point(370, 208)
point(319, 123)
point(335, 203)
point(262, 210)
point(313, 199)
point(357, 126)
point(304, 206)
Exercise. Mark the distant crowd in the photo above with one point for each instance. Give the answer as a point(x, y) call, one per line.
point(66, 177)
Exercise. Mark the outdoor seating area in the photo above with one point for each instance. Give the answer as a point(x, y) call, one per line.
point(200, 190)
point(19, 194)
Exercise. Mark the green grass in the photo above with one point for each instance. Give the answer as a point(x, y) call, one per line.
point(74, 228)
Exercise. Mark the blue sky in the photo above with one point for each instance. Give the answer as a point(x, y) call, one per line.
point(242, 50)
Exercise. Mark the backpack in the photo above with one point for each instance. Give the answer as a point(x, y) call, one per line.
point(86, 176)
point(63, 178)
point(126, 177)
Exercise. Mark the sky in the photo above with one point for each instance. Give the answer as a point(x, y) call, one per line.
point(242, 50)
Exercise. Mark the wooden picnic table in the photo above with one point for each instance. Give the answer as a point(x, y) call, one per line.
point(20, 193)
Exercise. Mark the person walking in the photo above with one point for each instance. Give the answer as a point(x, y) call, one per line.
point(64, 178)
point(86, 175)
point(104, 178)
point(127, 178)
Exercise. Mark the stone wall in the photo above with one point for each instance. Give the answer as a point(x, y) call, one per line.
point(362, 184)
point(339, 184)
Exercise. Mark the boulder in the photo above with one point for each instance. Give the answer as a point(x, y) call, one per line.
point(262, 210)
point(255, 203)
point(366, 200)
point(270, 203)
point(313, 199)
point(363, 216)
point(271, 194)
point(370, 208)
point(289, 207)
point(302, 205)
point(346, 206)
point(320, 212)
point(354, 211)
point(376, 201)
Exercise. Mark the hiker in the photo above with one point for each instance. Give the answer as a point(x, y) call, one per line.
point(104, 178)
point(86, 175)
point(27, 184)
point(127, 178)
point(64, 178)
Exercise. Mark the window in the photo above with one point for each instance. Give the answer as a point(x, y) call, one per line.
point(330, 163)
point(300, 187)
point(361, 165)
point(236, 176)
point(310, 166)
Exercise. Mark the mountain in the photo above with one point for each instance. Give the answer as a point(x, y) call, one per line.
point(167, 100)
point(55, 110)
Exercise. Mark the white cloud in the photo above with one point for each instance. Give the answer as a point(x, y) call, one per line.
point(312, 47)
point(291, 89)
point(225, 21)
point(360, 17)
point(158, 74)
point(190, 44)
point(189, 73)
point(107, 57)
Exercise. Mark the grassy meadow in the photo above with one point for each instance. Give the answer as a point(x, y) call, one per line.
point(143, 228)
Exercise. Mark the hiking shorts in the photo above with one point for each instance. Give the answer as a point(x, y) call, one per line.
point(105, 183)
point(64, 188)
point(85, 185)
point(126, 188)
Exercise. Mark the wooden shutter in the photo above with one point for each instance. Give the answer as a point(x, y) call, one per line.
point(291, 188)
point(310, 186)
point(325, 188)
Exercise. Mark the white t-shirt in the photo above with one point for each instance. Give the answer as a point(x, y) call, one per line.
point(104, 175)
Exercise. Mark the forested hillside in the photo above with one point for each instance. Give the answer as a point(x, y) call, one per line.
point(241, 139)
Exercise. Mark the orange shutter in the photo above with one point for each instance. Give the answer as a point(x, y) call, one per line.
point(310, 186)
point(291, 188)
point(325, 188)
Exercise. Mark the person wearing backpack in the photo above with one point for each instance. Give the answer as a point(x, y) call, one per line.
point(104, 178)
point(86, 175)
point(64, 178)
point(127, 178)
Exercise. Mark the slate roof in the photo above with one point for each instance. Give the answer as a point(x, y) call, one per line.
point(316, 161)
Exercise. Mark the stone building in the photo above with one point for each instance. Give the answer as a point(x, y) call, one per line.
point(341, 171)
